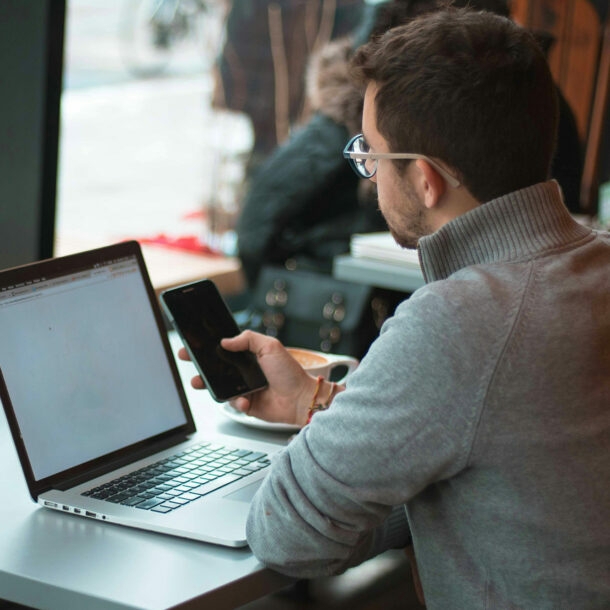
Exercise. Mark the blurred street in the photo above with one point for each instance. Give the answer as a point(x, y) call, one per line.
point(137, 155)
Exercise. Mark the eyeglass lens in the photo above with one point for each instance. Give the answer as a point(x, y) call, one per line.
point(366, 167)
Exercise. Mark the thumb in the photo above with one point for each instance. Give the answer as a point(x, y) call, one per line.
point(247, 341)
point(239, 343)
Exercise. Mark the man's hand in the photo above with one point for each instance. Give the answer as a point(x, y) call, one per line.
point(287, 398)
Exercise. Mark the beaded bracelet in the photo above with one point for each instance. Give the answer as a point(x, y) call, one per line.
point(319, 406)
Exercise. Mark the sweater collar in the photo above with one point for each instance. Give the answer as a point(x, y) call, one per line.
point(513, 227)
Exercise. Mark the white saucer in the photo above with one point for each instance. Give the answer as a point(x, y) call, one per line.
point(254, 422)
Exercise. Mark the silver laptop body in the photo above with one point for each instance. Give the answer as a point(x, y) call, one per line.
point(91, 393)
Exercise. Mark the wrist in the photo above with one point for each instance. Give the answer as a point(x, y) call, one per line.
point(322, 396)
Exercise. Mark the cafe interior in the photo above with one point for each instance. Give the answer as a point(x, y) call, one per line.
point(58, 180)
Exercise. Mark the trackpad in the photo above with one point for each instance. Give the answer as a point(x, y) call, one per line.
point(245, 494)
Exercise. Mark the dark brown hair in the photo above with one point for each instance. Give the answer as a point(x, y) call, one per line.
point(470, 88)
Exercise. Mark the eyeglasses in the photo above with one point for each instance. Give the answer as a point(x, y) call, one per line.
point(364, 163)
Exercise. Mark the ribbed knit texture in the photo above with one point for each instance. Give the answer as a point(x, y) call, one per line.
point(514, 227)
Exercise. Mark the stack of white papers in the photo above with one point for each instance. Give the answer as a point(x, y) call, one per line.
point(382, 247)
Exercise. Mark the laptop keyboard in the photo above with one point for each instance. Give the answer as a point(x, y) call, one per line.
point(182, 478)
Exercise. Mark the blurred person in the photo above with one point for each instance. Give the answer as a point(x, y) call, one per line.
point(261, 67)
point(304, 204)
point(477, 426)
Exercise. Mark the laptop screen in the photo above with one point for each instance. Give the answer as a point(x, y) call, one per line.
point(84, 363)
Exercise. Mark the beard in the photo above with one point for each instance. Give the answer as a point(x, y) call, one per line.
point(417, 229)
point(411, 224)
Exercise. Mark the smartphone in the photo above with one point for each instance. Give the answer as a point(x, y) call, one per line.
point(201, 317)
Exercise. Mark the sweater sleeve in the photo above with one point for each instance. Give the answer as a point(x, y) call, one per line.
point(406, 420)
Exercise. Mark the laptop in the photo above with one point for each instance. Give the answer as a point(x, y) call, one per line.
point(97, 409)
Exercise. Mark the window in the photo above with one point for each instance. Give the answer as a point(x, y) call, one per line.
point(139, 142)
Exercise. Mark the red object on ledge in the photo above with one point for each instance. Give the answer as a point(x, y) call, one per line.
point(189, 243)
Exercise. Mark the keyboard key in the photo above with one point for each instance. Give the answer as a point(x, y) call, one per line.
point(118, 498)
point(172, 492)
point(254, 456)
point(147, 504)
point(133, 501)
point(243, 472)
point(240, 452)
point(170, 505)
point(180, 501)
point(207, 488)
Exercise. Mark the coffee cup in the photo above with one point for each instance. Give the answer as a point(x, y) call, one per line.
point(323, 364)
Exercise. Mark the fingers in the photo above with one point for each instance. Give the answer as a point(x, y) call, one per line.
point(242, 404)
point(197, 383)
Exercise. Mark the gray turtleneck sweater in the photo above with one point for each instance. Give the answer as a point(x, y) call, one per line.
point(484, 409)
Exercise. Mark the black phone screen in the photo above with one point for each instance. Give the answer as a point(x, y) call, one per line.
point(201, 317)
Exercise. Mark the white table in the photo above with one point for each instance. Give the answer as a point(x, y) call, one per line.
point(52, 560)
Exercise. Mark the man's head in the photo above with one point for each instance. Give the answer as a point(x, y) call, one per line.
point(472, 90)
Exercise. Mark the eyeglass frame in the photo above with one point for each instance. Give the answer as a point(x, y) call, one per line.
point(352, 156)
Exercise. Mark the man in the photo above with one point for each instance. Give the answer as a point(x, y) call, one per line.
point(480, 417)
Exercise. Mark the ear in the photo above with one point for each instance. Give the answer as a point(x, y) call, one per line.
point(431, 183)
